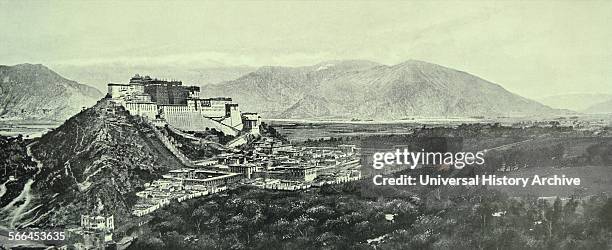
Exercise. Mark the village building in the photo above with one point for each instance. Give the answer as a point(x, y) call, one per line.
point(97, 230)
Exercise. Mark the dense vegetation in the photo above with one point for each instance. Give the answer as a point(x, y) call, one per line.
point(339, 218)
point(14, 161)
point(344, 217)
point(270, 131)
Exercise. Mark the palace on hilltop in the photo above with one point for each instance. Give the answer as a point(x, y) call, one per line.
point(170, 102)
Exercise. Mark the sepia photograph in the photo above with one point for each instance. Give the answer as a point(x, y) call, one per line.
point(281, 124)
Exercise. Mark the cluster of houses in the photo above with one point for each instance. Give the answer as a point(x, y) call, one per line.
point(273, 164)
point(267, 163)
point(180, 185)
point(577, 123)
point(270, 164)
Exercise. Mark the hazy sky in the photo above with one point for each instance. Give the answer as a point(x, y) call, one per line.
point(533, 48)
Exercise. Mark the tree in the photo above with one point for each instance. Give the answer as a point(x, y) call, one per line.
point(199, 216)
point(606, 214)
point(148, 242)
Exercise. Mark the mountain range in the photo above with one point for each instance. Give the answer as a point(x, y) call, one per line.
point(604, 107)
point(368, 90)
point(345, 89)
point(33, 91)
point(586, 103)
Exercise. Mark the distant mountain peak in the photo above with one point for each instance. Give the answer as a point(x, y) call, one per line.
point(348, 62)
point(33, 91)
point(604, 107)
point(415, 61)
point(363, 89)
point(24, 65)
point(418, 64)
point(341, 65)
point(581, 102)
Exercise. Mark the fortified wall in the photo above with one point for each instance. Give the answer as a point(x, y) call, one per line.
point(181, 106)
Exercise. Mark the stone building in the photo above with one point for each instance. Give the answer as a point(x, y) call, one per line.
point(181, 106)
point(97, 230)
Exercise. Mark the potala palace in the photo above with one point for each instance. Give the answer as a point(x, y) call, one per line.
point(181, 106)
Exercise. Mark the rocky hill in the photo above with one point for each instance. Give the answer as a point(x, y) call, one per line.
point(33, 91)
point(367, 90)
point(96, 160)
